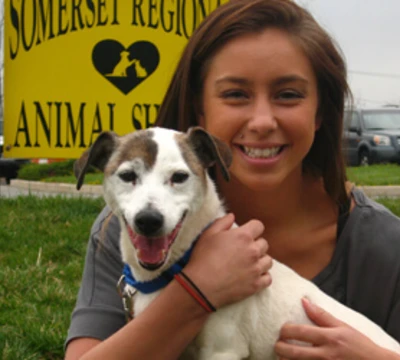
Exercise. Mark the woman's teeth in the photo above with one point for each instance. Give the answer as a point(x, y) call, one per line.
point(261, 153)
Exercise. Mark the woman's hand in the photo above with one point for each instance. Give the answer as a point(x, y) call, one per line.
point(229, 264)
point(331, 339)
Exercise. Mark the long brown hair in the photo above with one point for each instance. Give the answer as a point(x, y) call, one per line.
point(181, 104)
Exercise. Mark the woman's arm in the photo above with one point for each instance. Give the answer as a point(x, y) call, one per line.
point(162, 331)
point(227, 265)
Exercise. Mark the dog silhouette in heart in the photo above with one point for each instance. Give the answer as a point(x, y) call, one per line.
point(125, 68)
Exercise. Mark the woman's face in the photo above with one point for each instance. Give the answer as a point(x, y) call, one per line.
point(260, 97)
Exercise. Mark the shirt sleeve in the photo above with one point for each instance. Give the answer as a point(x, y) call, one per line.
point(364, 272)
point(374, 268)
point(98, 312)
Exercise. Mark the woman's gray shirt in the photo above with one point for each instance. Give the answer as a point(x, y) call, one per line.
point(364, 272)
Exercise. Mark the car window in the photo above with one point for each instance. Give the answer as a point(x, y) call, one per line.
point(354, 121)
point(377, 120)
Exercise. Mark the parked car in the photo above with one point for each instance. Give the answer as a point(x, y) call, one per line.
point(372, 136)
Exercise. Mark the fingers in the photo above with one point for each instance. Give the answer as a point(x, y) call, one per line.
point(306, 333)
point(230, 263)
point(264, 281)
point(265, 264)
point(262, 246)
point(289, 351)
point(253, 227)
point(318, 315)
point(221, 224)
point(311, 336)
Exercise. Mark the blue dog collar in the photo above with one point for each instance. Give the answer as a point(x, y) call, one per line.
point(147, 287)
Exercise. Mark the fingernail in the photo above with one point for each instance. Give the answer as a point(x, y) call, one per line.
point(308, 303)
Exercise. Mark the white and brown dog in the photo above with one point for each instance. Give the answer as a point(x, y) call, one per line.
point(156, 183)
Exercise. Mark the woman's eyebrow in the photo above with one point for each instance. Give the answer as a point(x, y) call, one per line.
point(279, 81)
point(290, 79)
point(232, 79)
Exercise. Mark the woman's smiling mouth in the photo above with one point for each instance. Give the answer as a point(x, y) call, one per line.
point(261, 152)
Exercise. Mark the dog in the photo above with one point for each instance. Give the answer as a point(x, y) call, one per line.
point(156, 182)
point(120, 70)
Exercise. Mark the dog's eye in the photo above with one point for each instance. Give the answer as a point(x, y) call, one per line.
point(128, 176)
point(179, 177)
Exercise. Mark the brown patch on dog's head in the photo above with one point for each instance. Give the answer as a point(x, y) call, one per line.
point(134, 145)
point(208, 149)
point(139, 144)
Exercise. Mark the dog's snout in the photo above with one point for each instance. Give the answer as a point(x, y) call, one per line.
point(149, 222)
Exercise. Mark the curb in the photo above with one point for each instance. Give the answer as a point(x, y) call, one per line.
point(61, 188)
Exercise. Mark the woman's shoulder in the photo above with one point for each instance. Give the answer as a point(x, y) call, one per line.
point(369, 214)
point(372, 229)
point(369, 254)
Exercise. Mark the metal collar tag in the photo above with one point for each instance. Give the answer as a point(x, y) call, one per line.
point(126, 293)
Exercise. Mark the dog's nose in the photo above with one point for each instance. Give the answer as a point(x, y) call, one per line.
point(149, 222)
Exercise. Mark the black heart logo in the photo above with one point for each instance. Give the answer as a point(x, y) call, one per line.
point(124, 67)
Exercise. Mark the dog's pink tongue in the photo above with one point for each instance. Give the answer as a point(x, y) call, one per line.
point(151, 250)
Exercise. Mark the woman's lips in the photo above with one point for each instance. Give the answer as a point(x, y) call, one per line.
point(261, 153)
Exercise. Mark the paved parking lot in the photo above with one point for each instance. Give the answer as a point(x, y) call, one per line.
point(24, 188)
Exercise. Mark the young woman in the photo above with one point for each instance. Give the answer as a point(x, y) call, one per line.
point(265, 78)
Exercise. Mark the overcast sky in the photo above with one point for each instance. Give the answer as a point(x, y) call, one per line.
point(368, 31)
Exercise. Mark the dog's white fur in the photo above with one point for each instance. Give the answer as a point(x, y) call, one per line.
point(244, 330)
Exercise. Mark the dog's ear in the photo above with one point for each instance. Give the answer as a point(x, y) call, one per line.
point(210, 150)
point(97, 155)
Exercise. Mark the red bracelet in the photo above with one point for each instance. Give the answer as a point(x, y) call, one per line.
point(187, 278)
point(194, 291)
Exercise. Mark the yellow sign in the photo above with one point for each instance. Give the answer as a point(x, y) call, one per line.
point(75, 68)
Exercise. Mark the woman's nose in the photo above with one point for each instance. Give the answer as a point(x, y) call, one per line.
point(262, 118)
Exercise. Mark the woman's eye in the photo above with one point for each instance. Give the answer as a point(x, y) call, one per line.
point(179, 177)
point(128, 176)
point(290, 95)
point(234, 94)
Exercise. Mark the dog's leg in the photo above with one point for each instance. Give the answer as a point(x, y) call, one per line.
point(224, 336)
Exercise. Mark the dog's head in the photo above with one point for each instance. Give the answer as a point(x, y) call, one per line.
point(156, 182)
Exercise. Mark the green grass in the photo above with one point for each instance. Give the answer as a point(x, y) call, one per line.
point(393, 204)
point(91, 179)
point(388, 174)
point(42, 249)
point(57, 172)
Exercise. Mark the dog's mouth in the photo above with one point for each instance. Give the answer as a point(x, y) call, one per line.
point(152, 251)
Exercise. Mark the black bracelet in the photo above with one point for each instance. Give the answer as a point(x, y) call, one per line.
point(211, 306)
